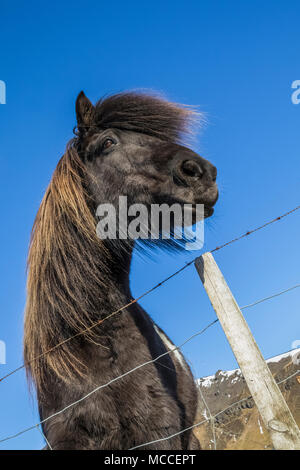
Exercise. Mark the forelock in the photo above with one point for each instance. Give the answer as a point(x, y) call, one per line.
point(146, 114)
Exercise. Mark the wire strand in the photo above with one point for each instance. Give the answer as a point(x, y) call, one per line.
point(108, 383)
point(270, 297)
point(41, 432)
point(22, 366)
point(207, 419)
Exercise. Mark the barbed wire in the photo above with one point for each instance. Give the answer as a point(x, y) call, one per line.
point(133, 301)
point(212, 418)
point(120, 377)
point(206, 419)
point(108, 383)
point(250, 232)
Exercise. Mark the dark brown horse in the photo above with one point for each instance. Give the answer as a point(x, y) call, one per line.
point(128, 144)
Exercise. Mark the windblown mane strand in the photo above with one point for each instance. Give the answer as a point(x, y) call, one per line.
point(64, 247)
point(151, 115)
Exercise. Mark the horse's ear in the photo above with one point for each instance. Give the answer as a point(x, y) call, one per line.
point(85, 112)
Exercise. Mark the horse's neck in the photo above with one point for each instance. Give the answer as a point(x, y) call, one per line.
point(116, 277)
point(115, 296)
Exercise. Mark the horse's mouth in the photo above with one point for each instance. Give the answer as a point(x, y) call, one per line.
point(208, 211)
point(211, 198)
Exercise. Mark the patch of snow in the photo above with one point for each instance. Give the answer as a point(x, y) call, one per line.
point(229, 373)
point(235, 379)
point(226, 374)
point(206, 381)
point(278, 358)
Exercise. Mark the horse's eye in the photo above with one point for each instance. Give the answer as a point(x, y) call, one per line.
point(107, 143)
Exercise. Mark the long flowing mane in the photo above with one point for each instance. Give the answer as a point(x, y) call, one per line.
point(62, 272)
point(67, 263)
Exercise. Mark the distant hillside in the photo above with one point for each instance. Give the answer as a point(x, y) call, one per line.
point(241, 427)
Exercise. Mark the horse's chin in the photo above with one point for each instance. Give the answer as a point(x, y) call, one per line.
point(207, 212)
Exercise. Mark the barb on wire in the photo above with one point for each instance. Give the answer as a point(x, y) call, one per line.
point(133, 301)
point(206, 419)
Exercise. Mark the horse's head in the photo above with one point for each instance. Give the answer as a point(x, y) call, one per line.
point(130, 146)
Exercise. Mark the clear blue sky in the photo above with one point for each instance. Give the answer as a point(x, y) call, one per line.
point(237, 61)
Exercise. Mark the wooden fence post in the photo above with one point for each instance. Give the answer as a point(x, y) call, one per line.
point(269, 400)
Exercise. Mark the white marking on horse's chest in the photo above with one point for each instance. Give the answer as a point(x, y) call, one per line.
point(177, 354)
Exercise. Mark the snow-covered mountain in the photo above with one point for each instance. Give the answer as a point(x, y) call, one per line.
point(240, 426)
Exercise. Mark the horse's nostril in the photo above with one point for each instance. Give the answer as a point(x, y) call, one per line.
point(192, 169)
